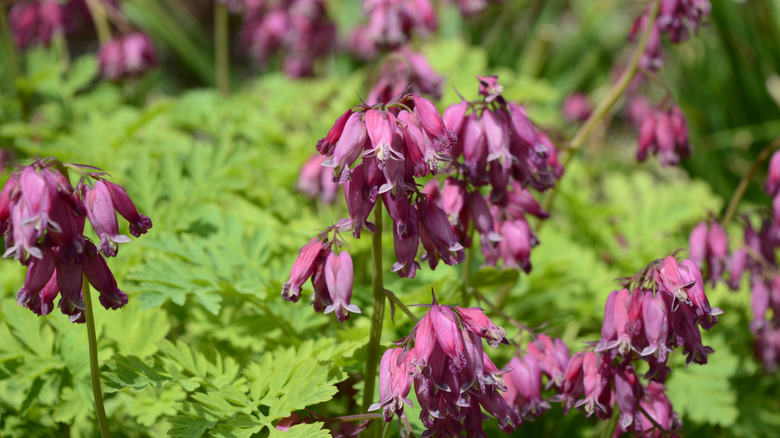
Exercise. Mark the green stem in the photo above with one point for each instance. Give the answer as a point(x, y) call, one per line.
point(495, 309)
point(221, 47)
point(93, 362)
point(392, 297)
point(100, 19)
point(464, 293)
point(372, 361)
point(357, 417)
point(10, 50)
point(743, 184)
point(609, 431)
point(606, 104)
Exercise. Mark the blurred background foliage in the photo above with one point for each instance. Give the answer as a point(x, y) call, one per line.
point(207, 345)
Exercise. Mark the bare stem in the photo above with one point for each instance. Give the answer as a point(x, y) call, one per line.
point(609, 431)
point(357, 417)
point(465, 297)
point(743, 184)
point(94, 368)
point(608, 102)
point(372, 360)
point(392, 297)
point(221, 47)
point(494, 308)
point(99, 17)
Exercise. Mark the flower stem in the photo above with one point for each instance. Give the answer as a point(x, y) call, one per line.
point(465, 296)
point(392, 297)
point(9, 49)
point(93, 362)
point(609, 430)
point(743, 184)
point(372, 361)
point(607, 103)
point(98, 12)
point(221, 47)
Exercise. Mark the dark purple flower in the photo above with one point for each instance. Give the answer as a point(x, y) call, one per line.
point(437, 237)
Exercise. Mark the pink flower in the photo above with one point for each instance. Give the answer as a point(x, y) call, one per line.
point(302, 269)
point(339, 276)
point(577, 108)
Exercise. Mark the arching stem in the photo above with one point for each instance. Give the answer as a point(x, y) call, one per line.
point(377, 318)
point(94, 368)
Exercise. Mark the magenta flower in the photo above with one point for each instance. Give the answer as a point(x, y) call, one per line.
point(404, 68)
point(316, 181)
point(339, 276)
point(37, 22)
point(437, 237)
point(302, 269)
point(43, 218)
point(453, 378)
point(101, 214)
point(127, 56)
point(577, 108)
point(395, 382)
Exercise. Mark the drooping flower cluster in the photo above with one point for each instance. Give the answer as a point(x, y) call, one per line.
point(676, 18)
point(544, 357)
point(708, 243)
point(43, 216)
point(36, 22)
point(658, 310)
point(499, 147)
point(404, 68)
point(453, 377)
point(680, 18)
point(332, 274)
point(398, 142)
point(298, 30)
point(391, 24)
point(757, 256)
point(662, 132)
point(129, 55)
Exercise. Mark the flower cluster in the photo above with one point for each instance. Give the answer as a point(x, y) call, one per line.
point(332, 275)
point(676, 18)
point(501, 148)
point(299, 30)
point(659, 309)
point(398, 142)
point(36, 22)
point(544, 357)
point(43, 216)
point(661, 131)
point(391, 24)
point(453, 377)
point(404, 68)
point(709, 243)
point(127, 56)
